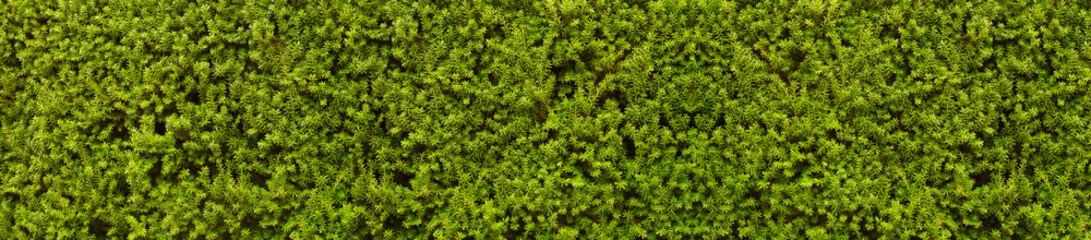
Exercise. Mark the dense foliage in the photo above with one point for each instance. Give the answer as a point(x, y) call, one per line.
point(554, 119)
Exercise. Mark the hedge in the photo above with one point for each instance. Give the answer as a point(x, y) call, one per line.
point(555, 119)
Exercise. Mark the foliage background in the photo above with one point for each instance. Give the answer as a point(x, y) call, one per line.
point(555, 119)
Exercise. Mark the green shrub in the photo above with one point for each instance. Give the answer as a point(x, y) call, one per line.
point(556, 119)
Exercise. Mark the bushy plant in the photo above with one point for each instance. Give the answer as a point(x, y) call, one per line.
point(556, 119)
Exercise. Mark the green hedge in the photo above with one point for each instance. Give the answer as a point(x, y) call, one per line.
point(555, 119)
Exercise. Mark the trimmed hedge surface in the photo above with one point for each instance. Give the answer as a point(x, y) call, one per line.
point(555, 119)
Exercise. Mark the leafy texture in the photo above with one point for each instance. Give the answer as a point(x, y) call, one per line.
point(556, 119)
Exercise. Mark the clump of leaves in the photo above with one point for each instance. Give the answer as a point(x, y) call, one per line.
point(545, 119)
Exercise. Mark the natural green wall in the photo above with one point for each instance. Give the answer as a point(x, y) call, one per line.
point(555, 119)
